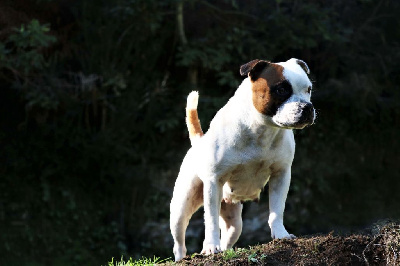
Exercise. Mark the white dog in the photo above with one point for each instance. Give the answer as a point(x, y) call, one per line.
point(249, 142)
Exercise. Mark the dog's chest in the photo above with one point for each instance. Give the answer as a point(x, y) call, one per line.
point(247, 163)
point(246, 181)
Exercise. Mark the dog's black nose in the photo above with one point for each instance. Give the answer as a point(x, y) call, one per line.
point(308, 108)
point(307, 115)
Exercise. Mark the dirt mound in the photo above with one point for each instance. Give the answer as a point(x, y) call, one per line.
point(382, 248)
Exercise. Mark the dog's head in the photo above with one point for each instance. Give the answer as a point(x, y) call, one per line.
point(281, 91)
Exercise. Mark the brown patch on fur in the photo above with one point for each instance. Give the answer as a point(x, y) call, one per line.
point(193, 123)
point(262, 99)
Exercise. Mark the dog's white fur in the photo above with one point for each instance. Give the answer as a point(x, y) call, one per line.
point(242, 151)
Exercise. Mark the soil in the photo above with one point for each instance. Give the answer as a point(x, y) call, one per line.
point(381, 248)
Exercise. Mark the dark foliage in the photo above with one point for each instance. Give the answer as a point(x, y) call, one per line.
point(92, 114)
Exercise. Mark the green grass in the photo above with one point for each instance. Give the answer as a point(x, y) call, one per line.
point(230, 254)
point(143, 261)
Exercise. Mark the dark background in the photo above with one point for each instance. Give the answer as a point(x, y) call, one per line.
point(92, 128)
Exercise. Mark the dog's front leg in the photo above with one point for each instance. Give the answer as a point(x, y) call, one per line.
point(278, 189)
point(212, 208)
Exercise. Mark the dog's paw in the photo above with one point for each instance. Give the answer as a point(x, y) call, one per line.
point(281, 233)
point(210, 249)
point(288, 236)
point(223, 246)
point(179, 253)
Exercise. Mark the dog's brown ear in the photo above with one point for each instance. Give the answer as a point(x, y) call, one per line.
point(253, 68)
point(303, 65)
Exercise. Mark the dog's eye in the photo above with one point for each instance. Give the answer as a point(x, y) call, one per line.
point(309, 89)
point(282, 91)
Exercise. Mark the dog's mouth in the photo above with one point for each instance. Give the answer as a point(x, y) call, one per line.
point(293, 126)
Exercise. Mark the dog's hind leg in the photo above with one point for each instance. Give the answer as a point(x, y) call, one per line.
point(187, 198)
point(230, 223)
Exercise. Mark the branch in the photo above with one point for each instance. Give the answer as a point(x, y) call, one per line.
point(179, 20)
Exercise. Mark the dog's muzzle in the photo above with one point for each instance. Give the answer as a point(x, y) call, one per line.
point(295, 115)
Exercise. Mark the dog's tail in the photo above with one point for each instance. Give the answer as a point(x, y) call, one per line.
point(192, 118)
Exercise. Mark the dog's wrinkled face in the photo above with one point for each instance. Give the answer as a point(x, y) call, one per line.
point(282, 91)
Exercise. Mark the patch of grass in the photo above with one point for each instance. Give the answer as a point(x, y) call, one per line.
point(254, 252)
point(230, 254)
point(252, 258)
point(143, 261)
